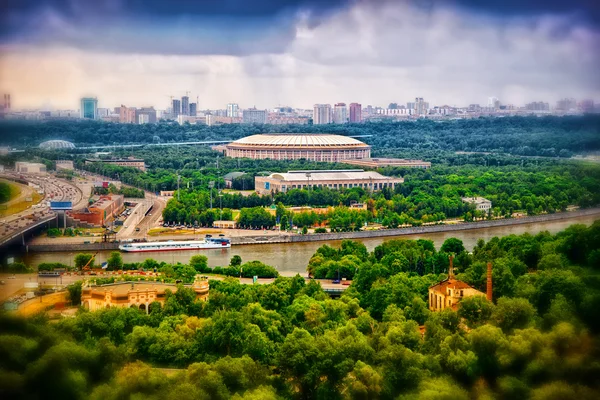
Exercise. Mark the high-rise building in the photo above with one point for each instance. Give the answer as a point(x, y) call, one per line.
point(193, 109)
point(145, 115)
point(233, 110)
point(587, 105)
point(340, 113)
point(89, 108)
point(176, 107)
point(6, 103)
point(322, 114)
point(254, 116)
point(127, 115)
point(393, 106)
point(566, 104)
point(537, 106)
point(419, 107)
point(494, 103)
point(355, 113)
point(185, 105)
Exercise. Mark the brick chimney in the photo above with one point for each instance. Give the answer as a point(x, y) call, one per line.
point(489, 282)
point(451, 267)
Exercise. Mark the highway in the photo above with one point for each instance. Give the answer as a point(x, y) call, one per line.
point(53, 189)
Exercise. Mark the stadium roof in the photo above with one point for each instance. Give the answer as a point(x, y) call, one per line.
point(299, 140)
point(56, 144)
point(330, 175)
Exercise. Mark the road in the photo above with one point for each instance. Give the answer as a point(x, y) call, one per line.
point(152, 219)
point(53, 189)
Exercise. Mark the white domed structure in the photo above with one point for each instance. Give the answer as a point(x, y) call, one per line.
point(315, 147)
point(56, 145)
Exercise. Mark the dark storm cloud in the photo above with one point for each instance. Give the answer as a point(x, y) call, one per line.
point(162, 27)
point(588, 11)
point(230, 27)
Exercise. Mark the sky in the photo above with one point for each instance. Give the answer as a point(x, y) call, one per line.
point(296, 53)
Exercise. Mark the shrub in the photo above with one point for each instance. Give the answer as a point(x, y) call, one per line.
point(257, 268)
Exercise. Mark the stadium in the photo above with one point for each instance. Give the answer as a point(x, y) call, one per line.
point(56, 145)
point(314, 147)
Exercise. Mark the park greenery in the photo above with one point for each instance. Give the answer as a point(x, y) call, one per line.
point(126, 191)
point(518, 163)
point(529, 136)
point(538, 339)
point(5, 192)
point(426, 196)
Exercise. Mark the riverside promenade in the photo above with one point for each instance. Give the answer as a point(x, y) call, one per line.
point(271, 238)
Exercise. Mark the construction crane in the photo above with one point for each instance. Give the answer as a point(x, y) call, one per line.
point(86, 266)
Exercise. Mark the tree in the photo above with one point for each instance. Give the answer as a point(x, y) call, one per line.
point(513, 313)
point(235, 261)
point(115, 261)
point(200, 263)
point(476, 310)
point(299, 360)
point(82, 259)
point(452, 245)
point(74, 293)
point(284, 223)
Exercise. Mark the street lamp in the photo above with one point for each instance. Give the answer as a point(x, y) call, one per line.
point(221, 204)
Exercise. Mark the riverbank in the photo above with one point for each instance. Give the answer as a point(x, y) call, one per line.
point(60, 246)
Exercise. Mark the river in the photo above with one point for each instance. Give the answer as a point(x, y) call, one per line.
point(292, 258)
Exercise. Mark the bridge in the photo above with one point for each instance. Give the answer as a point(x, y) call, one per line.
point(21, 231)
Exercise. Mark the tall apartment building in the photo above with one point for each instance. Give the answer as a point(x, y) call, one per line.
point(233, 110)
point(193, 111)
point(494, 103)
point(176, 107)
point(355, 113)
point(6, 102)
point(419, 107)
point(145, 115)
point(537, 106)
point(185, 105)
point(89, 108)
point(254, 116)
point(127, 115)
point(322, 114)
point(340, 113)
point(566, 104)
point(586, 105)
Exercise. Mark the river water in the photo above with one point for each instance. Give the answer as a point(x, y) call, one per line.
point(292, 258)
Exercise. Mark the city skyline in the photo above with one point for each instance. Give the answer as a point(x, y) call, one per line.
point(298, 52)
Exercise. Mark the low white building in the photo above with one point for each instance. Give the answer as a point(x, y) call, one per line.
point(332, 179)
point(30, 168)
point(480, 203)
point(64, 164)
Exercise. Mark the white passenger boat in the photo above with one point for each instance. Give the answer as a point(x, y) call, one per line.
point(172, 245)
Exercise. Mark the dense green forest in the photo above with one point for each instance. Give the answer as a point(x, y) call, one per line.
point(289, 340)
point(542, 136)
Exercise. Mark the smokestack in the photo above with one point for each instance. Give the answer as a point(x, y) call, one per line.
point(489, 281)
point(451, 267)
